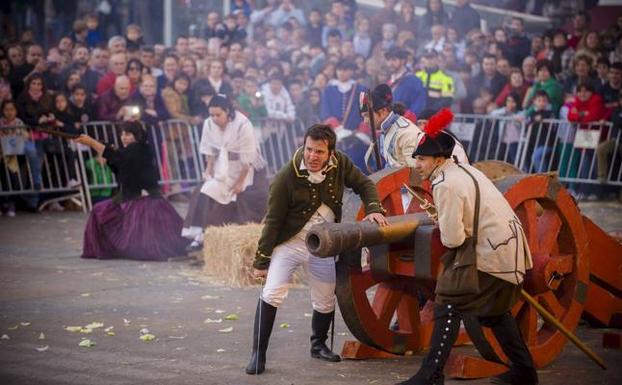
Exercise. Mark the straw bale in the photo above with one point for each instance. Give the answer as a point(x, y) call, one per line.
point(229, 252)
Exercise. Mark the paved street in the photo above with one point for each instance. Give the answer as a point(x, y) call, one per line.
point(45, 287)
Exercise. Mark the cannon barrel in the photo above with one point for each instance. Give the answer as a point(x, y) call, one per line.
point(329, 239)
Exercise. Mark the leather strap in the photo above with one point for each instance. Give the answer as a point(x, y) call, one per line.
point(476, 212)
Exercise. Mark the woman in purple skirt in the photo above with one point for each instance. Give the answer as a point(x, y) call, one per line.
point(132, 225)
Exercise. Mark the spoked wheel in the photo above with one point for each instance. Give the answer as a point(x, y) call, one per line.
point(559, 278)
point(380, 300)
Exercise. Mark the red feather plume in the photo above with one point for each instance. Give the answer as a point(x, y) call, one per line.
point(438, 122)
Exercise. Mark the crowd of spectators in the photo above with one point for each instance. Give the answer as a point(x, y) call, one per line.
point(276, 62)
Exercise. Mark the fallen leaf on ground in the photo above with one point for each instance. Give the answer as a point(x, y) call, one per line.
point(86, 330)
point(110, 333)
point(86, 343)
point(284, 325)
point(94, 325)
point(5, 337)
point(126, 321)
point(212, 321)
point(144, 331)
point(14, 327)
point(218, 311)
point(108, 329)
point(226, 330)
point(178, 337)
point(232, 317)
point(41, 336)
point(42, 348)
point(73, 329)
point(210, 296)
point(25, 323)
point(220, 350)
point(85, 295)
point(147, 337)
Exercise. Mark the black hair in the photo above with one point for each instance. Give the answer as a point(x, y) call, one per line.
point(334, 33)
point(544, 63)
point(136, 62)
point(79, 86)
point(515, 97)
point(322, 132)
point(603, 60)
point(222, 101)
point(585, 86)
point(147, 48)
point(399, 108)
point(135, 128)
point(616, 65)
point(7, 102)
point(489, 56)
point(541, 94)
point(204, 89)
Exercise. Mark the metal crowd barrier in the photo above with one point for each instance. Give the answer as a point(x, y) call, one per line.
point(176, 148)
point(41, 169)
point(579, 153)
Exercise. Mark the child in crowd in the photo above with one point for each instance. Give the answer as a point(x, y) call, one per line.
point(134, 37)
point(93, 37)
point(510, 130)
point(10, 139)
point(80, 105)
point(541, 134)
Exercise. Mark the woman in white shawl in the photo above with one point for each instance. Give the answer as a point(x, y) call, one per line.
point(235, 185)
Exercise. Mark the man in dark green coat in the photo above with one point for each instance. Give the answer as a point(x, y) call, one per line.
point(306, 191)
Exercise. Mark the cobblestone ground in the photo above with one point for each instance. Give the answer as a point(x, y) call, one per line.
point(45, 287)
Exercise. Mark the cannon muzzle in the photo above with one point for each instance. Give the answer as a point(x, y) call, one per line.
point(329, 239)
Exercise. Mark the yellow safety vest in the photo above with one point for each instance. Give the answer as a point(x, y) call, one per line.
point(439, 85)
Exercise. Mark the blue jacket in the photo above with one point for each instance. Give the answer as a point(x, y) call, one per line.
point(410, 92)
point(334, 104)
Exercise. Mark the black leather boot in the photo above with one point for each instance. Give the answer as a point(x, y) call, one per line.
point(444, 335)
point(522, 370)
point(320, 323)
point(264, 320)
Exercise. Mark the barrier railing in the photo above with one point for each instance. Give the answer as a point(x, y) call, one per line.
point(43, 167)
point(580, 153)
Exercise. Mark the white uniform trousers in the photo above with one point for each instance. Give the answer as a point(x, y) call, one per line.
point(286, 258)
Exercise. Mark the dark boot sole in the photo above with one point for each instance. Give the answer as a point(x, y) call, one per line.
point(323, 358)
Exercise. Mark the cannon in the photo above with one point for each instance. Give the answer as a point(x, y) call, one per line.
point(386, 276)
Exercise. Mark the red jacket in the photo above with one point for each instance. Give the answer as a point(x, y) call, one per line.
point(591, 110)
point(106, 83)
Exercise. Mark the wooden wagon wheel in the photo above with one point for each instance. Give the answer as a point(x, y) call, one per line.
point(370, 300)
point(560, 275)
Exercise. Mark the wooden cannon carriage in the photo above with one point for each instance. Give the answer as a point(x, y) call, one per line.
point(386, 276)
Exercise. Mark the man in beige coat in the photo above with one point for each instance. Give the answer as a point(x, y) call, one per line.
point(502, 258)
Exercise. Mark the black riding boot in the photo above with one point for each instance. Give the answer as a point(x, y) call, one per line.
point(522, 370)
point(320, 323)
point(264, 320)
point(444, 335)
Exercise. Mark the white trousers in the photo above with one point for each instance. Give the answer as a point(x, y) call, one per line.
point(286, 258)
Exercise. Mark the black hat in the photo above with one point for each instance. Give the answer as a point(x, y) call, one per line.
point(441, 145)
point(381, 97)
point(396, 53)
point(346, 65)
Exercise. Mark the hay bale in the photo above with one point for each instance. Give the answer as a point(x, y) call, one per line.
point(229, 252)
